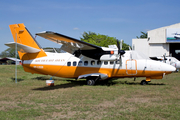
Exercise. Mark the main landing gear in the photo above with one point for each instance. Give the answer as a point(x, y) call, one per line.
point(92, 80)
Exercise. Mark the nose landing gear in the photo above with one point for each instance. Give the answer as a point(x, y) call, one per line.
point(145, 82)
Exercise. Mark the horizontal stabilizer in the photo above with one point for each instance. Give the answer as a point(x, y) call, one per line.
point(23, 48)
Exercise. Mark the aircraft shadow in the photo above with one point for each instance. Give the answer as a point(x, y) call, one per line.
point(41, 78)
point(74, 83)
point(134, 83)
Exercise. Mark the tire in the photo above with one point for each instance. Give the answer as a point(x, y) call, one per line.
point(90, 82)
point(144, 82)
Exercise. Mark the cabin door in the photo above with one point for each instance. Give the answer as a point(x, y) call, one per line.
point(131, 67)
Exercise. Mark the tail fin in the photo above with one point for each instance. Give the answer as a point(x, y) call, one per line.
point(28, 48)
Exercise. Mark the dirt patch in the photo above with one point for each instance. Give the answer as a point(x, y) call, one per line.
point(6, 105)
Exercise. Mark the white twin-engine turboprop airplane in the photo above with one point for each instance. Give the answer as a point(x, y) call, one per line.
point(83, 60)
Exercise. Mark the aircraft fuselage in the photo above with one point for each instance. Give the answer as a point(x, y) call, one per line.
point(68, 66)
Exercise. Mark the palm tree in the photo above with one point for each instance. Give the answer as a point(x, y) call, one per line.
point(144, 35)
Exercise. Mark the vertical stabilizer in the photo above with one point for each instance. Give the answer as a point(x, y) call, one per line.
point(23, 37)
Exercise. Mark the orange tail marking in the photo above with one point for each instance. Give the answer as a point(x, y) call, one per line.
point(21, 35)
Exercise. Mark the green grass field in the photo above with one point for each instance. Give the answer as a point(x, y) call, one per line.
point(31, 99)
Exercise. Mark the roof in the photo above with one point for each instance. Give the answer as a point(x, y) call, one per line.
point(165, 27)
point(9, 58)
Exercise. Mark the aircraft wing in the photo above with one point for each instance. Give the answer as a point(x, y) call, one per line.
point(68, 44)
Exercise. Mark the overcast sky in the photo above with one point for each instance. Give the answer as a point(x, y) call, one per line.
point(123, 19)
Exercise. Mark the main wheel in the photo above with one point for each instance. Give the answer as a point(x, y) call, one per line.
point(90, 82)
point(144, 82)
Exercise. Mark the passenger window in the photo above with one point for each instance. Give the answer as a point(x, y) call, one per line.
point(68, 63)
point(98, 62)
point(80, 63)
point(93, 62)
point(85, 63)
point(111, 62)
point(117, 62)
point(105, 62)
point(74, 63)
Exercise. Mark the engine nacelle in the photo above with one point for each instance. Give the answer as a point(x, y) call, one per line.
point(108, 57)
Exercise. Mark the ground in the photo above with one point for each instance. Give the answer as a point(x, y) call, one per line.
point(30, 98)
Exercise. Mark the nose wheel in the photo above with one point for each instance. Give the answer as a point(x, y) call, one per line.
point(144, 82)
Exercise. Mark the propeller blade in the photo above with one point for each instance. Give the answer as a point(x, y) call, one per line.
point(120, 52)
point(121, 44)
point(119, 49)
point(118, 45)
point(164, 58)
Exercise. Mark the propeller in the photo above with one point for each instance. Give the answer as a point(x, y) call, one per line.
point(120, 52)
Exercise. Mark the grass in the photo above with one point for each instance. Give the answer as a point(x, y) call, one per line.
point(31, 99)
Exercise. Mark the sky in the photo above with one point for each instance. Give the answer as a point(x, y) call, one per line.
point(123, 19)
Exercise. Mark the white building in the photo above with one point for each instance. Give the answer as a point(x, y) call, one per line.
point(160, 41)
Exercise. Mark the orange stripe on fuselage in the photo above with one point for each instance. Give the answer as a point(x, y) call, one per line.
point(74, 71)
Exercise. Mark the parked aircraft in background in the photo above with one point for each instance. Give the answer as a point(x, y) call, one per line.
point(176, 35)
point(169, 60)
point(83, 60)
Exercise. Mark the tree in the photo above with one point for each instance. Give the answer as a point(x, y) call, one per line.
point(101, 40)
point(144, 35)
point(10, 52)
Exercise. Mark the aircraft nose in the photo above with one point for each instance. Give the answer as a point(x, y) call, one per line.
point(171, 68)
point(168, 68)
point(178, 65)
